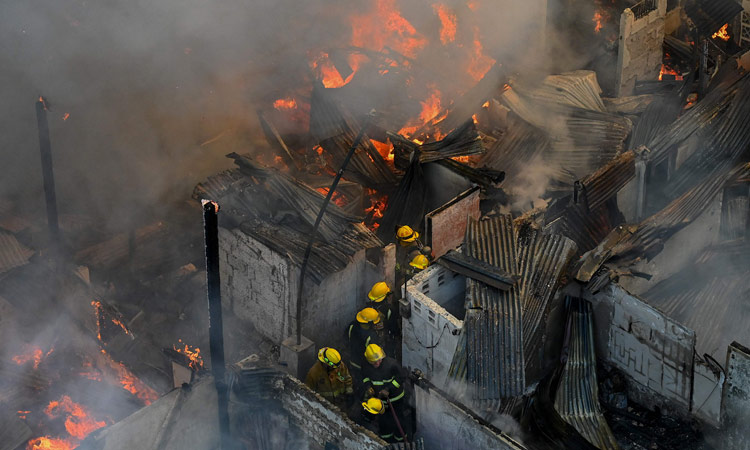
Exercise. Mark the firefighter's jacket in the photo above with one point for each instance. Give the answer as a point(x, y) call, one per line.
point(390, 375)
point(334, 384)
point(359, 338)
point(391, 316)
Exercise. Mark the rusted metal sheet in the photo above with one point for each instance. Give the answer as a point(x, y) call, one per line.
point(478, 270)
point(12, 253)
point(445, 227)
point(577, 397)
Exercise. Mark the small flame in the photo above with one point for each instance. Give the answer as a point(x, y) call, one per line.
point(33, 353)
point(475, 118)
point(598, 21)
point(377, 208)
point(65, 116)
point(196, 360)
point(447, 23)
point(337, 198)
point(668, 71)
point(384, 148)
point(722, 34)
point(283, 104)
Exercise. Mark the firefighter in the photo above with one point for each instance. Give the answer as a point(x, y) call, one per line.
point(330, 378)
point(385, 378)
point(377, 418)
point(418, 263)
point(362, 332)
point(382, 300)
point(408, 240)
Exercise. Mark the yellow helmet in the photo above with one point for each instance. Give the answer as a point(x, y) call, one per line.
point(379, 291)
point(368, 315)
point(420, 262)
point(374, 353)
point(406, 235)
point(374, 406)
point(329, 356)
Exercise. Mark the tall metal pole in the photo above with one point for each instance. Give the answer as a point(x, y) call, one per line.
point(311, 240)
point(215, 324)
point(47, 174)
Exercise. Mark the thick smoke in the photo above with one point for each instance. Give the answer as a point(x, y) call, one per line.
point(146, 83)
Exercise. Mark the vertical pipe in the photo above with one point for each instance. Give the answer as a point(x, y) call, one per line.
point(703, 70)
point(45, 150)
point(215, 324)
point(311, 240)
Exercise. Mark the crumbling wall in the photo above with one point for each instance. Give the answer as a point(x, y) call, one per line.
point(653, 350)
point(255, 283)
point(430, 334)
point(445, 425)
point(640, 46)
point(736, 401)
point(321, 421)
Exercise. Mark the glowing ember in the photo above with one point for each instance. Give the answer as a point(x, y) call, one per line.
point(91, 372)
point(480, 63)
point(722, 34)
point(462, 159)
point(384, 26)
point(33, 353)
point(486, 104)
point(474, 118)
point(65, 116)
point(318, 149)
point(668, 71)
point(447, 23)
point(196, 361)
point(285, 104)
point(473, 4)
point(598, 21)
point(48, 443)
point(77, 421)
point(130, 382)
point(337, 198)
point(23, 414)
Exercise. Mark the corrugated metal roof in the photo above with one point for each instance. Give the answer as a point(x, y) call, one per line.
point(607, 181)
point(464, 140)
point(280, 211)
point(577, 397)
point(12, 253)
point(335, 130)
point(709, 295)
point(493, 326)
point(710, 15)
point(584, 226)
point(542, 259)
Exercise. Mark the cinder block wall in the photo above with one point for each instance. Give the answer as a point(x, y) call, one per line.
point(260, 286)
point(428, 340)
point(640, 51)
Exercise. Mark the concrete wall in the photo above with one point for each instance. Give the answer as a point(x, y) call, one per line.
point(255, 283)
point(322, 422)
point(653, 350)
point(736, 400)
point(707, 391)
point(428, 340)
point(640, 48)
point(446, 425)
point(260, 286)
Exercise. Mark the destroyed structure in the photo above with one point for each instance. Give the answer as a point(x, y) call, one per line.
point(587, 235)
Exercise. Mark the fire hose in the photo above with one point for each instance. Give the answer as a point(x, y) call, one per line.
point(398, 423)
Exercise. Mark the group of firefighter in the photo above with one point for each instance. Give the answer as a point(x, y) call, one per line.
point(373, 388)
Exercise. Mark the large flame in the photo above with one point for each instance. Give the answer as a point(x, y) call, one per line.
point(50, 443)
point(447, 23)
point(480, 63)
point(722, 34)
point(78, 423)
point(384, 26)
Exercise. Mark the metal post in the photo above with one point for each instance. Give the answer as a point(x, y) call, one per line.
point(215, 324)
point(311, 240)
point(703, 69)
point(47, 174)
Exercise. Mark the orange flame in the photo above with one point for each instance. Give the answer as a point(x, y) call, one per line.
point(447, 23)
point(384, 148)
point(480, 63)
point(285, 104)
point(722, 34)
point(196, 360)
point(49, 443)
point(130, 382)
point(23, 414)
point(329, 76)
point(337, 198)
point(598, 21)
point(384, 26)
point(668, 71)
point(34, 353)
point(77, 422)
point(65, 116)
point(377, 208)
